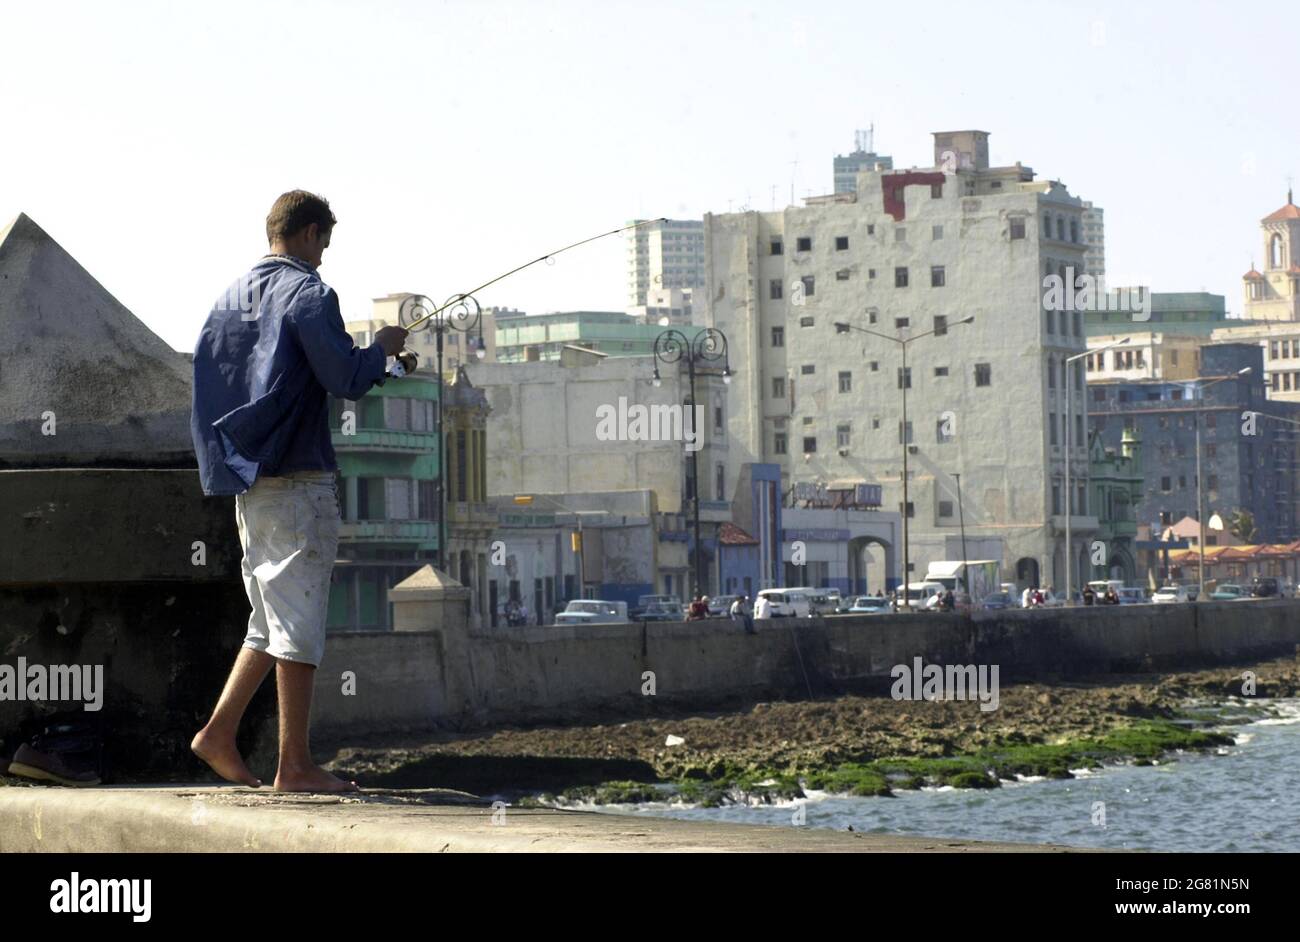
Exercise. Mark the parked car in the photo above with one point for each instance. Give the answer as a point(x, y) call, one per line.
point(720, 605)
point(868, 605)
point(645, 602)
point(593, 612)
point(1264, 587)
point(998, 601)
point(1171, 593)
point(820, 601)
point(837, 602)
point(1229, 593)
point(787, 603)
point(663, 611)
point(1132, 595)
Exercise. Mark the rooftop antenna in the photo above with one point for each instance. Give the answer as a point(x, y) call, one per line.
point(794, 165)
point(864, 141)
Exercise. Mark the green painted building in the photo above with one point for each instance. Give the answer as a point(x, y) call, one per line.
point(1194, 313)
point(540, 336)
point(387, 450)
point(1116, 482)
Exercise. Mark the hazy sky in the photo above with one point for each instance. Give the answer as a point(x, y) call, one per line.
point(456, 140)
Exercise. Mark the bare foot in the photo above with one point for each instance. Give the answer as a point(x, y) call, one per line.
point(311, 779)
point(220, 753)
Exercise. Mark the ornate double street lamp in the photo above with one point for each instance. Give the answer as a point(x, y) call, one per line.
point(461, 313)
point(904, 382)
point(709, 346)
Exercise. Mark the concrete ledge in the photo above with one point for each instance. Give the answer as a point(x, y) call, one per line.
point(177, 818)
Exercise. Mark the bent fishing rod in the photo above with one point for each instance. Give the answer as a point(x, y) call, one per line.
point(406, 314)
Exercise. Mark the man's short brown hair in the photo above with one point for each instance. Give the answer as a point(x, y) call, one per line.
point(295, 211)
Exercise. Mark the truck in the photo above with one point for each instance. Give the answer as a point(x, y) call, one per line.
point(975, 577)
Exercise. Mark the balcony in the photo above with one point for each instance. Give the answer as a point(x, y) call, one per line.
point(396, 441)
point(389, 531)
point(1079, 524)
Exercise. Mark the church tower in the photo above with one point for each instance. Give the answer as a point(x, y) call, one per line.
point(1274, 293)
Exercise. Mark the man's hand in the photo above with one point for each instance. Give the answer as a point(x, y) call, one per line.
point(392, 339)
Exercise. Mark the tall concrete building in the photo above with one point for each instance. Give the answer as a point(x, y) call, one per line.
point(863, 158)
point(667, 253)
point(908, 255)
point(1094, 236)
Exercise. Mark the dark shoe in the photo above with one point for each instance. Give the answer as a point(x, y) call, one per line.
point(50, 767)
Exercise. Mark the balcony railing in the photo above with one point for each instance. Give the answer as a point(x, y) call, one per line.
point(382, 439)
point(389, 531)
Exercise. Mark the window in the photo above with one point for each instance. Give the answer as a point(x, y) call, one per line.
point(1017, 227)
point(1182, 482)
point(1051, 373)
point(900, 234)
point(941, 371)
point(778, 336)
point(809, 444)
point(778, 387)
point(779, 443)
point(717, 419)
point(808, 369)
point(936, 191)
point(809, 284)
point(936, 232)
point(1056, 498)
point(777, 247)
point(936, 276)
point(1074, 230)
point(806, 321)
point(842, 434)
point(803, 244)
point(905, 433)
point(842, 275)
point(875, 421)
point(846, 382)
point(719, 482)
point(841, 243)
point(871, 229)
point(1166, 484)
point(945, 508)
point(874, 365)
point(901, 322)
point(909, 510)
point(904, 377)
point(983, 374)
point(1210, 421)
point(1211, 451)
point(1212, 481)
point(775, 291)
point(1051, 427)
point(940, 325)
point(1047, 226)
point(943, 431)
point(871, 274)
point(1060, 228)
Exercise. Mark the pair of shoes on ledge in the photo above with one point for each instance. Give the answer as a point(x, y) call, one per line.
point(50, 767)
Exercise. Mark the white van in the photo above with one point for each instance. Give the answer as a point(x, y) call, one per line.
point(787, 603)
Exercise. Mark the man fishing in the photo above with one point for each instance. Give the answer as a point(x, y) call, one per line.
point(271, 349)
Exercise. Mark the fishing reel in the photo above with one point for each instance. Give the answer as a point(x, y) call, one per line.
point(404, 364)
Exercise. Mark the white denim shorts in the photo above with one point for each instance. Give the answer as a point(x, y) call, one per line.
point(289, 529)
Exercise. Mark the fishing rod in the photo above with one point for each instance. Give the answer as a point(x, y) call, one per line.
point(460, 298)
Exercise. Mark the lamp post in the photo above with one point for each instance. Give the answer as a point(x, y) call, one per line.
point(905, 380)
point(1069, 425)
point(1201, 386)
point(709, 346)
point(461, 313)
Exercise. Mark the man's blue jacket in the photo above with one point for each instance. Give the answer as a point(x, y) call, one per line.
point(270, 350)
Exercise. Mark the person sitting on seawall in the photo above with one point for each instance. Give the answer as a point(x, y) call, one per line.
point(740, 612)
point(699, 609)
point(762, 608)
point(1111, 597)
point(1089, 597)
